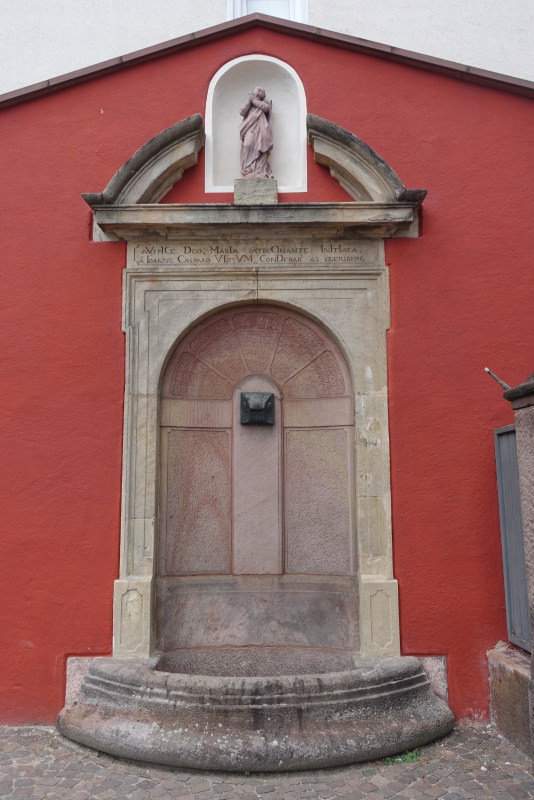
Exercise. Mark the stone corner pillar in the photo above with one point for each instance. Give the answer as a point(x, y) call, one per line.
point(522, 400)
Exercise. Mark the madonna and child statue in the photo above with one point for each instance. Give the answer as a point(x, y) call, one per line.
point(256, 135)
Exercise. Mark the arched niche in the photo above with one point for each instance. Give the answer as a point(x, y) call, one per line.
point(257, 533)
point(227, 92)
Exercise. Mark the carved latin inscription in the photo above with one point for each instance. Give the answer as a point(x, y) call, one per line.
point(197, 514)
point(192, 378)
point(266, 341)
point(258, 334)
point(290, 254)
point(321, 378)
point(318, 528)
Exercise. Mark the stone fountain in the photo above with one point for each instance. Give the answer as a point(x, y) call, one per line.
point(258, 663)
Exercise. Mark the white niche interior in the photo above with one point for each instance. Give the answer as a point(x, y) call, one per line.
point(227, 92)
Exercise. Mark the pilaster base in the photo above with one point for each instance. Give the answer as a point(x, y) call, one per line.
point(379, 617)
point(131, 616)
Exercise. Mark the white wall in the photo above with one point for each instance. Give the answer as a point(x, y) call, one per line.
point(40, 40)
point(497, 35)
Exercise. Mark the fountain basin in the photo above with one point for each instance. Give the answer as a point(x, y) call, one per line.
point(139, 709)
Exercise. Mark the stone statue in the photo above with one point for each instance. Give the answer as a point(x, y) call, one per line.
point(256, 136)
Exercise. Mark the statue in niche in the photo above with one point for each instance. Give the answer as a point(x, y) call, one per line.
point(256, 136)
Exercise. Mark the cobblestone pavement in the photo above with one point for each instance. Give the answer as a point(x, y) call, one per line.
point(473, 762)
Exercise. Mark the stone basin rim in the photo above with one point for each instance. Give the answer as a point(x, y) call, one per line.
point(137, 680)
point(379, 670)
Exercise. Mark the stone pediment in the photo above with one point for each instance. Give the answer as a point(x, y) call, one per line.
point(129, 208)
point(363, 174)
point(153, 170)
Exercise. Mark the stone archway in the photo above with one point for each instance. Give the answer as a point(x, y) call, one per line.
point(257, 543)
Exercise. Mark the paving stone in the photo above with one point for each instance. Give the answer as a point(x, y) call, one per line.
point(37, 764)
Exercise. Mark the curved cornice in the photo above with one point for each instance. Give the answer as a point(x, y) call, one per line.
point(128, 208)
point(361, 172)
point(154, 169)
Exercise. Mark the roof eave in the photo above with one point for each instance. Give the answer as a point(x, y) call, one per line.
point(451, 69)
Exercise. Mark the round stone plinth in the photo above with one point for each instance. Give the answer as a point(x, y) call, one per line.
point(375, 708)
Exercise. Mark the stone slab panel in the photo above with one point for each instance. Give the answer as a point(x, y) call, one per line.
point(196, 529)
point(509, 674)
point(318, 502)
point(298, 345)
point(321, 378)
point(193, 378)
point(258, 332)
point(257, 490)
point(318, 412)
point(254, 250)
point(181, 413)
point(262, 611)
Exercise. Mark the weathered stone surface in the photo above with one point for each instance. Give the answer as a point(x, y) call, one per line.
point(153, 169)
point(261, 610)
point(318, 507)
point(195, 535)
point(257, 483)
point(133, 710)
point(77, 667)
point(221, 514)
point(509, 673)
point(435, 668)
point(255, 192)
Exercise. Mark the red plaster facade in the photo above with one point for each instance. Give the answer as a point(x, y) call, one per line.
point(461, 298)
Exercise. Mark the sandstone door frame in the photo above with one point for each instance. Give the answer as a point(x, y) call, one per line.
point(351, 303)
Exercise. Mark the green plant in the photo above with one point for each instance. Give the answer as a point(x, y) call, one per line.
point(403, 758)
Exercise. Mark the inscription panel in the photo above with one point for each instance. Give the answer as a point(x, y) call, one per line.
point(282, 253)
point(318, 502)
point(196, 538)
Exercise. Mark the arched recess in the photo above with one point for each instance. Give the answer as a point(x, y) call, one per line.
point(257, 539)
point(227, 92)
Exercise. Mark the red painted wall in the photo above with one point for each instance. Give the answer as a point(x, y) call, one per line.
point(461, 298)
